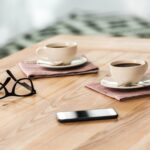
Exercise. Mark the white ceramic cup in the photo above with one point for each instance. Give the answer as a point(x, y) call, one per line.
point(58, 52)
point(129, 74)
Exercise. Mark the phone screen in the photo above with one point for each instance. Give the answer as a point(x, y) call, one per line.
point(82, 115)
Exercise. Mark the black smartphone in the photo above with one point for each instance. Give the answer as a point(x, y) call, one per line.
point(86, 115)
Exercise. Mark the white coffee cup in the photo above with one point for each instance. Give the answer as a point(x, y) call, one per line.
point(58, 52)
point(128, 72)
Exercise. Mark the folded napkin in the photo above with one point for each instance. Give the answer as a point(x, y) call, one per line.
point(119, 94)
point(33, 70)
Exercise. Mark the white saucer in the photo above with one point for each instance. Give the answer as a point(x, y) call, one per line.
point(110, 83)
point(77, 61)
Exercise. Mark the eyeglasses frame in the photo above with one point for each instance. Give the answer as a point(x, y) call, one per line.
point(12, 93)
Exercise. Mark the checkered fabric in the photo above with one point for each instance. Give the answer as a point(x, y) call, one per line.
point(83, 24)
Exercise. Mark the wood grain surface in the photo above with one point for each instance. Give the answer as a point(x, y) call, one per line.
point(30, 123)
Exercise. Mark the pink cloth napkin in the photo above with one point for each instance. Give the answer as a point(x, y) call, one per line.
point(118, 94)
point(33, 70)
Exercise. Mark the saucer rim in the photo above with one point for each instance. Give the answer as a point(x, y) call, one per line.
point(65, 66)
point(123, 87)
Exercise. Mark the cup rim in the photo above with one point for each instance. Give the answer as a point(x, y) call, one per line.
point(139, 61)
point(67, 44)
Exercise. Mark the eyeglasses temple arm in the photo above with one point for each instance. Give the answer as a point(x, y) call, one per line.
point(23, 84)
point(6, 82)
point(11, 75)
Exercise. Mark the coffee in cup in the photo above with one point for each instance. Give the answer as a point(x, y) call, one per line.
point(58, 52)
point(128, 72)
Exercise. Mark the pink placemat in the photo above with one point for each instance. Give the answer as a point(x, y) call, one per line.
point(33, 70)
point(119, 94)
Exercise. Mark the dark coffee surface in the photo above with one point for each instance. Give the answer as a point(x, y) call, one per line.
point(56, 46)
point(126, 65)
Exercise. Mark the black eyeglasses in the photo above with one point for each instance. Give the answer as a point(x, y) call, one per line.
point(22, 87)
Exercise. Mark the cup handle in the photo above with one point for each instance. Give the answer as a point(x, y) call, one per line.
point(39, 53)
point(146, 65)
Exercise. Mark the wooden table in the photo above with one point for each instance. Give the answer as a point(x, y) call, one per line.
point(30, 123)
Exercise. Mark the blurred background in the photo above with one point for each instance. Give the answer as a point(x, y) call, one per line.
point(25, 22)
